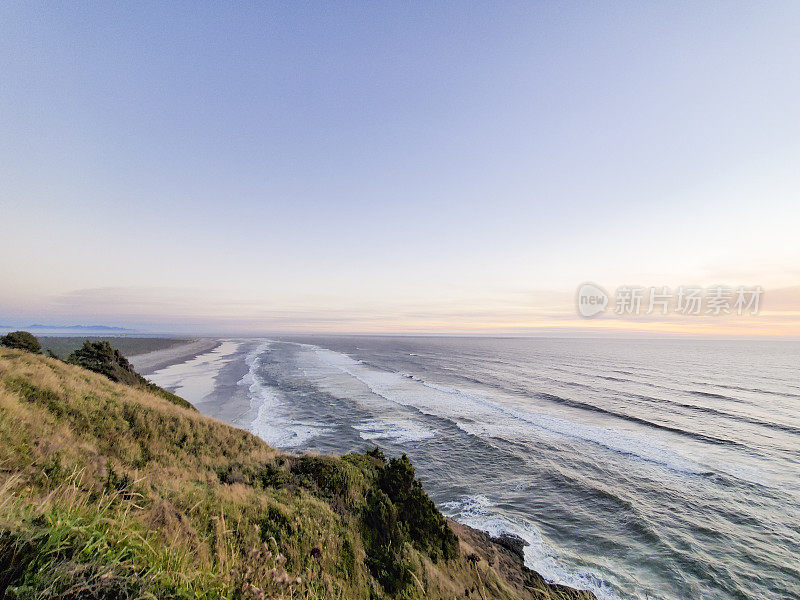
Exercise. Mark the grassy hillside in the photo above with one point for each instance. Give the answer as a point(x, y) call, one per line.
point(109, 491)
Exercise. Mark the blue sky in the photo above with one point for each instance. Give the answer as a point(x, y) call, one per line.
point(390, 167)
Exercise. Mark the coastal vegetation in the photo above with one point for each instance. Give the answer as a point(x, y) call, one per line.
point(110, 490)
point(103, 358)
point(21, 340)
point(63, 346)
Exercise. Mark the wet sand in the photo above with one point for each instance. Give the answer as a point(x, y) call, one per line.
point(150, 362)
point(209, 373)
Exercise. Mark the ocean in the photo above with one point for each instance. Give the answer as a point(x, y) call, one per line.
point(637, 469)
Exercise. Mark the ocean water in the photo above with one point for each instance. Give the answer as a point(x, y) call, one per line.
point(664, 469)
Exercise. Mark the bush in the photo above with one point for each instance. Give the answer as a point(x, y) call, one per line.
point(103, 358)
point(21, 340)
point(427, 526)
point(330, 476)
point(377, 454)
point(384, 537)
point(398, 514)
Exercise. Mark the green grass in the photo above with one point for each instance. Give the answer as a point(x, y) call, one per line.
point(110, 491)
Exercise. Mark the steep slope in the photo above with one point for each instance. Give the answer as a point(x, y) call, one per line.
point(109, 491)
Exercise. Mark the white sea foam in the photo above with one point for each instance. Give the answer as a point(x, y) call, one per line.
point(414, 377)
point(391, 422)
point(477, 414)
point(394, 430)
point(479, 512)
point(269, 423)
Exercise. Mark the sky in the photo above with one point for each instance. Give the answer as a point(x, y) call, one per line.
point(443, 167)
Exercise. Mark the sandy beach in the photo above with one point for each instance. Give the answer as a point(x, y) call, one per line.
point(150, 362)
point(208, 373)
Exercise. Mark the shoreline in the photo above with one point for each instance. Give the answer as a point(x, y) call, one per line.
point(208, 376)
point(230, 403)
point(149, 362)
point(476, 562)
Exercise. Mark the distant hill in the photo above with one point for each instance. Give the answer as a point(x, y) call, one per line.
point(87, 328)
point(109, 491)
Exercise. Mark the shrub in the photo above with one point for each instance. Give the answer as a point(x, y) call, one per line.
point(384, 537)
point(330, 476)
point(377, 454)
point(427, 526)
point(103, 358)
point(21, 340)
point(397, 512)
